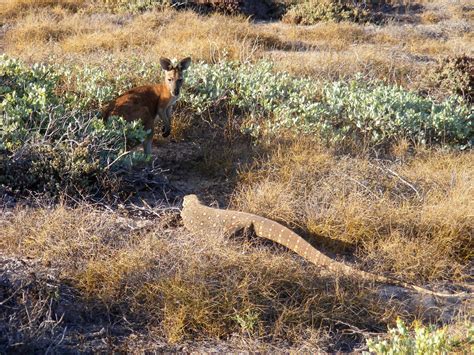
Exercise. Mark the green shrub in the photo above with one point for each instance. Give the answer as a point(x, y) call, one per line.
point(51, 131)
point(373, 113)
point(369, 112)
point(421, 340)
point(49, 142)
point(309, 12)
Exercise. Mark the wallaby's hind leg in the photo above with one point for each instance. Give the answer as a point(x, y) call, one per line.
point(132, 113)
point(148, 142)
point(166, 118)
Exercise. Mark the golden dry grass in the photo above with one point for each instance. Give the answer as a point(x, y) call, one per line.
point(394, 52)
point(15, 8)
point(372, 61)
point(412, 218)
point(190, 287)
point(39, 34)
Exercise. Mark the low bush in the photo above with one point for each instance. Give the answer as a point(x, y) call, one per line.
point(309, 12)
point(451, 76)
point(366, 112)
point(420, 340)
point(49, 141)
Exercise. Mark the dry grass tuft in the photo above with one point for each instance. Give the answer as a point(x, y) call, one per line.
point(430, 17)
point(410, 217)
point(17, 8)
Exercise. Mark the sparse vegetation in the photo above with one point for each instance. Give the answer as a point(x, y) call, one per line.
point(355, 134)
point(452, 76)
point(309, 12)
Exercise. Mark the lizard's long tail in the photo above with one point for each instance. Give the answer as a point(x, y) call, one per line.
point(202, 219)
point(307, 251)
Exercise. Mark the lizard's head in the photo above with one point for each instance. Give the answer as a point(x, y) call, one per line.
point(190, 199)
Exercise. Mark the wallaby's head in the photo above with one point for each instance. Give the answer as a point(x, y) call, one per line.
point(174, 73)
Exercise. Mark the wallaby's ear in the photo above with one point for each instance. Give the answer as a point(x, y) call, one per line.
point(166, 64)
point(185, 63)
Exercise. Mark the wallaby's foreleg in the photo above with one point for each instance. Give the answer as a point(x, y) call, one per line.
point(147, 143)
point(149, 125)
point(165, 116)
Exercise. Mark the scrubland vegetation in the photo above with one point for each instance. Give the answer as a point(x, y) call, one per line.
point(351, 124)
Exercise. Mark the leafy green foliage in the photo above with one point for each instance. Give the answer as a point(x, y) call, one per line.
point(375, 112)
point(49, 141)
point(421, 340)
point(369, 112)
point(247, 321)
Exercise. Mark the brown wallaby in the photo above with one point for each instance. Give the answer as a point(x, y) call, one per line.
point(147, 102)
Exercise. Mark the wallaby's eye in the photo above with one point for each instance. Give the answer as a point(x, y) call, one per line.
point(170, 80)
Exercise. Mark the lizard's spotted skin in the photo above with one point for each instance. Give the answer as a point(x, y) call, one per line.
point(201, 219)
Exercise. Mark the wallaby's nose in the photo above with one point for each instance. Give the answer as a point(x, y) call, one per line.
point(176, 92)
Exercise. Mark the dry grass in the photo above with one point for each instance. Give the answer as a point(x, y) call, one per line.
point(155, 33)
point(369, 60)
point(412, 218)
point(335, 36)
point(182, 286)
point(394, 52)
point(409, 216)
point(16, 8)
